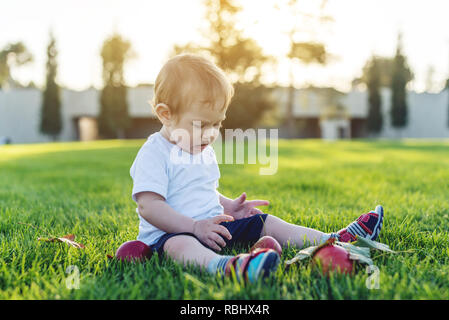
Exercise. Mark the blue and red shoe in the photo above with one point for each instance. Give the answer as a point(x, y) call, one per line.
point(251, 266)
point(367, 226)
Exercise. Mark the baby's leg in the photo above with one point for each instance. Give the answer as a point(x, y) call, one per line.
point(367, 226)
point(187, 249)
point(285, 232)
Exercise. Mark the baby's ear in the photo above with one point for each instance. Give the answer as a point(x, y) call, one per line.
point(163, 113)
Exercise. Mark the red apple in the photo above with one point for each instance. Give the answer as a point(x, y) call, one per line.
point(334, 257)
point(133, 250)
point(267, 242)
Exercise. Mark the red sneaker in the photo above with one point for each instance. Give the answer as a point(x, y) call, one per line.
point(367, 226)
point(258, 263)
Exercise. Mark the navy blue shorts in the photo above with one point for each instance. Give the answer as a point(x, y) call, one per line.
point(244, 231)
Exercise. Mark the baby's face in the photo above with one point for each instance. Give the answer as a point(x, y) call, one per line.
point(197, 127)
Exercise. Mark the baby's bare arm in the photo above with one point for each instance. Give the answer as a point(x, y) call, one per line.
point(154, 209)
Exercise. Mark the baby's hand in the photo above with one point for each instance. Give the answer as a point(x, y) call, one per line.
point(241, 208)
point(210, 232)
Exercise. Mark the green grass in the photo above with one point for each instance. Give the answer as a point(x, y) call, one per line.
point(85, 189)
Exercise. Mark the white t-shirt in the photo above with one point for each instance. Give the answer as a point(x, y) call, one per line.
point(187, 182)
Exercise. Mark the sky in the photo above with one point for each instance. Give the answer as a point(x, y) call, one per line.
point(360, 29)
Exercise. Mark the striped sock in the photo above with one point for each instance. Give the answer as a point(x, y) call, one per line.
point(218, 264)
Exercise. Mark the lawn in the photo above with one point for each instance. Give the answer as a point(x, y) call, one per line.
point(85, 189)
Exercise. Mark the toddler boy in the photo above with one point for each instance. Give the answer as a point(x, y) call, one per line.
point(175, 179)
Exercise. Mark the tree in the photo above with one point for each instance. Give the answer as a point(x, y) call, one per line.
point(447, 88)
point(51, 123)
point(385, 70)
point(249, 100)
point(373, 74)
point(307, 52)
point(384, 67)
point(114, 119)
point(399, 80)
point(239, 57)
point(12, 55)
point(378, 73)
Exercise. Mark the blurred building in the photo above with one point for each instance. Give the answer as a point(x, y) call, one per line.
point(326, 113)
point(318, 112)
point(20, 114)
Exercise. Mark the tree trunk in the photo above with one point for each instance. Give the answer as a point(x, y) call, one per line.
point(291, 125)
point(290, 119)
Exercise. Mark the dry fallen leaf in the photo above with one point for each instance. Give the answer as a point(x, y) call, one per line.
point(69, 236)
point(69, 239)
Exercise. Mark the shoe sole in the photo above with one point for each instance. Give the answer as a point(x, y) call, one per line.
point(378, 225)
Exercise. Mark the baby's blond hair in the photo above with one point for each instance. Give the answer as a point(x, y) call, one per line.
point(188, 78)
